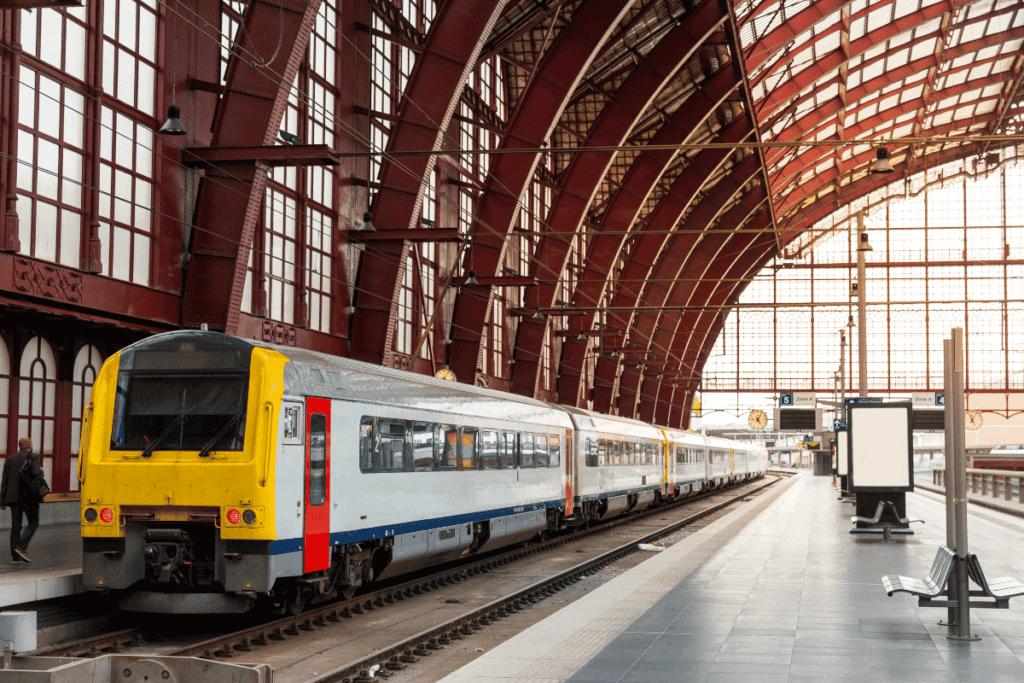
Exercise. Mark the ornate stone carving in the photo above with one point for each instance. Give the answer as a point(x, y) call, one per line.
point(44, 279)
point(277, 333)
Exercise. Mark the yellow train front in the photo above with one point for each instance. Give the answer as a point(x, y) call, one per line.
point(177, 483)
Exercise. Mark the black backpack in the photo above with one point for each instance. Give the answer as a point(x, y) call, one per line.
point(31, 483)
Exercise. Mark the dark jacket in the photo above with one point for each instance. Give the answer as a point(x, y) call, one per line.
point(11, 489)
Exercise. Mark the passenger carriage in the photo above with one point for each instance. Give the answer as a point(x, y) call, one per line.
point(216, 472)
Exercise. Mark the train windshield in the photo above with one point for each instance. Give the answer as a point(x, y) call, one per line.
point(189, 397)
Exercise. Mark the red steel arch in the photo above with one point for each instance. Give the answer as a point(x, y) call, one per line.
point(435, 86)
point(536, 113)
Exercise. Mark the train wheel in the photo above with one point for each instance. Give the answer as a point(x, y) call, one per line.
point(296, 604)
point(349, 592)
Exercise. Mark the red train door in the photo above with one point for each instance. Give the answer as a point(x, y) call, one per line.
point(317, 532)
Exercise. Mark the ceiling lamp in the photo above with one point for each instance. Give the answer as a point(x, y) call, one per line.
point(290, 138)
point(537, 315)
point(367, 225)
point(582, 336)
point(471, 279)
point(173, 124)
point(882, 164)
point(614, 353)
point(864, 245)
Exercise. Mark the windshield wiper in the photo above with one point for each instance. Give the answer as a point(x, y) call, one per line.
point(163, 435)
point(223, 430)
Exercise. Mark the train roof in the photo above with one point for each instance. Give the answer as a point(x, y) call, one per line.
point(612, 423)
point(320, 374)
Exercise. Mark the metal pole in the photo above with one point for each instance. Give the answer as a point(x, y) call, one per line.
point(947, 388)
point(963, 606)
point(862, 310)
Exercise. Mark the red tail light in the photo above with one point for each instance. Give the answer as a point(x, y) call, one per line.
point(107, 515)
point(234, 516)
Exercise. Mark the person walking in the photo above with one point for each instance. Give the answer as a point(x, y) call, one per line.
point(16, 492)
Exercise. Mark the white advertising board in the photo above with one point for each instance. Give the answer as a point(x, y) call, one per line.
point(842, 452)
point(881, 447)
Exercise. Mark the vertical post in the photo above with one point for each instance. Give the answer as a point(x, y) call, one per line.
point(963, 607)
point(862, 308)
point(947, 388)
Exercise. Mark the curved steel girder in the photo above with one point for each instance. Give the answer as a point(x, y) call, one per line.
point(249, 115)
point(530, 124)
point(868, 40)
point(676, 333)
point(693, 278)
point(622, 210)
point(435, 86)
point(753, 249)
point(649, 251)
point(788, 89)
point(812, 156)
point(827, 204)
point(788, 30)
point(800, 193)
point(659, 412)
point(584, 174)
point(668, 264)
point(711, 337)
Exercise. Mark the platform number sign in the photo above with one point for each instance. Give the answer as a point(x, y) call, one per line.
point(786, 398)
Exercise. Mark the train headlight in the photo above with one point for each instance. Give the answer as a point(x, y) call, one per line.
point(91, 515)
point(248, 516)
point(234, 516)
point(107, 515)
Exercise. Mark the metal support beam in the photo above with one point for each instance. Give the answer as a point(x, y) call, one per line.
point(269, 155)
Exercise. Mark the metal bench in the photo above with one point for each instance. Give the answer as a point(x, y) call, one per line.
point(1001, 589)
point(886, 526)
point(931, 587)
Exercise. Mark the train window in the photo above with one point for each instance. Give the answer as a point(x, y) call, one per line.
point(422, 446)
point(555, 451)
point(366, 448)
point(182, 412)
point(591, 452)
point(602, 453)
point(540, 457)
point(508, 450)
point(391, 446)
point(448, 458)
point(616, 452)
point(317, 459)
point(467, 449)
point(525, 449)
point(489, 450)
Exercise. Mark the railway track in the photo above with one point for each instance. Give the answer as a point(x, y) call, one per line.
point(240, 643)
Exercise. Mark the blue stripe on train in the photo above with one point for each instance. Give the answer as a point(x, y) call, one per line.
point(291, 545)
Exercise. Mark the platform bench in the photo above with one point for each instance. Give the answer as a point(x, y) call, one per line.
point(1001, 589)
point(931, 587)
point(886, 526)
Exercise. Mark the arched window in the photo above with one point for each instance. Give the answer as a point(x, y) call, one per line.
point(87, 365)
point(36, 398)
point(5, 387)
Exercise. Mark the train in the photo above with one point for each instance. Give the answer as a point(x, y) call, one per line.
point(219, 474)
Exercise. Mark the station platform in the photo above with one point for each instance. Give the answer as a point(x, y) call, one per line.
point(777, 590)
point(55, 570)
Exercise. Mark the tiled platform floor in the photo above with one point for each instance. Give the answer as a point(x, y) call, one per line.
point(778, 590)
point(55, 571)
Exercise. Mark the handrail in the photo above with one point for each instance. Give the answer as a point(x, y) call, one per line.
point(83, 441)
point(268, 408)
